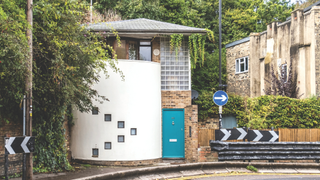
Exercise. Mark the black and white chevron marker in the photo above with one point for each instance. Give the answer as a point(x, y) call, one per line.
point(256, 135)
point(230, 134)
point(19, 144)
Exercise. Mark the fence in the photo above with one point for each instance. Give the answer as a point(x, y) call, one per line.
point(285, 135)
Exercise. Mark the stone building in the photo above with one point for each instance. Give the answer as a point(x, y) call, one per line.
point(149, 115)
point(296, 40)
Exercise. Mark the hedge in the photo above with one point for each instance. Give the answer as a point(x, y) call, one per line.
point(264, 111)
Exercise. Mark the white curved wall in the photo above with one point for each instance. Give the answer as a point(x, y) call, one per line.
point(137, 101)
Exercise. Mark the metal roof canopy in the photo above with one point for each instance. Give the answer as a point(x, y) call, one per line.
point(143, 27)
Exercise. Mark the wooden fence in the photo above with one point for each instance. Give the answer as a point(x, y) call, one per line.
point(285, 135)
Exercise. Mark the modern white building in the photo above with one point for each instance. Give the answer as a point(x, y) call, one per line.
point(149, 115)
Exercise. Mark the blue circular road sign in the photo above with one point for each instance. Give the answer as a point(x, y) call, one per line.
point(220, 98)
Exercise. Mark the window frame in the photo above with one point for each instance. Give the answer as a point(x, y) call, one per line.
point(135, 131)
point(105, 117)
point(123, 139)
point(123, 125)
point(127, 42)
point(286, 71)
point(246, 64)
point(105, 146)
point(95, 109)
point(93, 155)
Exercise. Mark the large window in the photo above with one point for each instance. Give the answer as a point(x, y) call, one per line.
point(133, 49)
point(242, 64)
point(175, 70)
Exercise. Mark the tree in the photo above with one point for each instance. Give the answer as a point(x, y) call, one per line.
point(13, 55)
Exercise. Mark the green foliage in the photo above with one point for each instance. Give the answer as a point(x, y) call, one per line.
point(252, 168)
point(264, 111)
point(13, 55)
point(67, 62)
point(175, 42)
point(206, 77)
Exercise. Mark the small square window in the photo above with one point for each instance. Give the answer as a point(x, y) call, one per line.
point(95, 152)
point(133, 131)
point(121, 138)
point(120, 124)
point(107, 117)
point(95, 110)
point(107, 145)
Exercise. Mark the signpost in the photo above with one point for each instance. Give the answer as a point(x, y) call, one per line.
point(15, 145)
point(220, 98)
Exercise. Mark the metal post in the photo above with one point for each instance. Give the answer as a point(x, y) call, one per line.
point(28, 86)
point(24, 134)
point(5, 162)
point(220, 88)
point(220, 117)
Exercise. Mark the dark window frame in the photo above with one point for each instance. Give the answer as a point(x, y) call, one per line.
point(105, 118)
point(123, 124)
point(95, 109)
point(135, 131)
point(114, 41)
point(123, 138)
point(105, 146)
point(93, 155)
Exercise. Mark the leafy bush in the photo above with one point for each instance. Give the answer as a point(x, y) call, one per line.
point(264, 111)
point(252, 168)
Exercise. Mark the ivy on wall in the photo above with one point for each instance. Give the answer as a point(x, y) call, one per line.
point(196, 43)
point(264, 111)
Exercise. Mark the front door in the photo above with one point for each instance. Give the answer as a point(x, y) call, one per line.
point(173, 133)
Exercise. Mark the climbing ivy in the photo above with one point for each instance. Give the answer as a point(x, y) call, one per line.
point(264, 111)
point(196, 46)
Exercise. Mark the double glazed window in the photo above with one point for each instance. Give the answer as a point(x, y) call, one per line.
point(133, 49)
point(242, 64)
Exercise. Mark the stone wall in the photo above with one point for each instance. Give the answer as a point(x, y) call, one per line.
point(175, 99)
point(238, 83)
point(15, 160)
point(317, 50)
point(191, 137)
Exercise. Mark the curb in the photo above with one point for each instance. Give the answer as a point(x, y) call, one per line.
point(196, 166)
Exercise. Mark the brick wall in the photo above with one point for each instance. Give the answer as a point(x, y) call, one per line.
point(175, 99)
point(191, 123)
point(238, 83)
point(206, 155)
point(15, 160)
point(210, 123)
point(155, 45)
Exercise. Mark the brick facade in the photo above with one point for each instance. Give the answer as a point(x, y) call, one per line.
point(191, 137)
point(175, 99)
point(15, 160)
point(237, 83)
point(206, 155)
point(210, 123)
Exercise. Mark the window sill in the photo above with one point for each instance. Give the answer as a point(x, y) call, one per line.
point(242, 72)
point(95, 156)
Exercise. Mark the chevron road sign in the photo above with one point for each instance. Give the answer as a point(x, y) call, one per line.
point(23, 144)
point(256, 135)
point(230, 134)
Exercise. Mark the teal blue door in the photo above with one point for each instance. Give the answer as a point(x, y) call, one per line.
point(173, 133)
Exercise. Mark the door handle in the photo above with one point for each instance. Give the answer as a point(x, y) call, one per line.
point(172, 122)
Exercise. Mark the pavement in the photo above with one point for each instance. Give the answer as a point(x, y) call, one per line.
point(163, 171)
